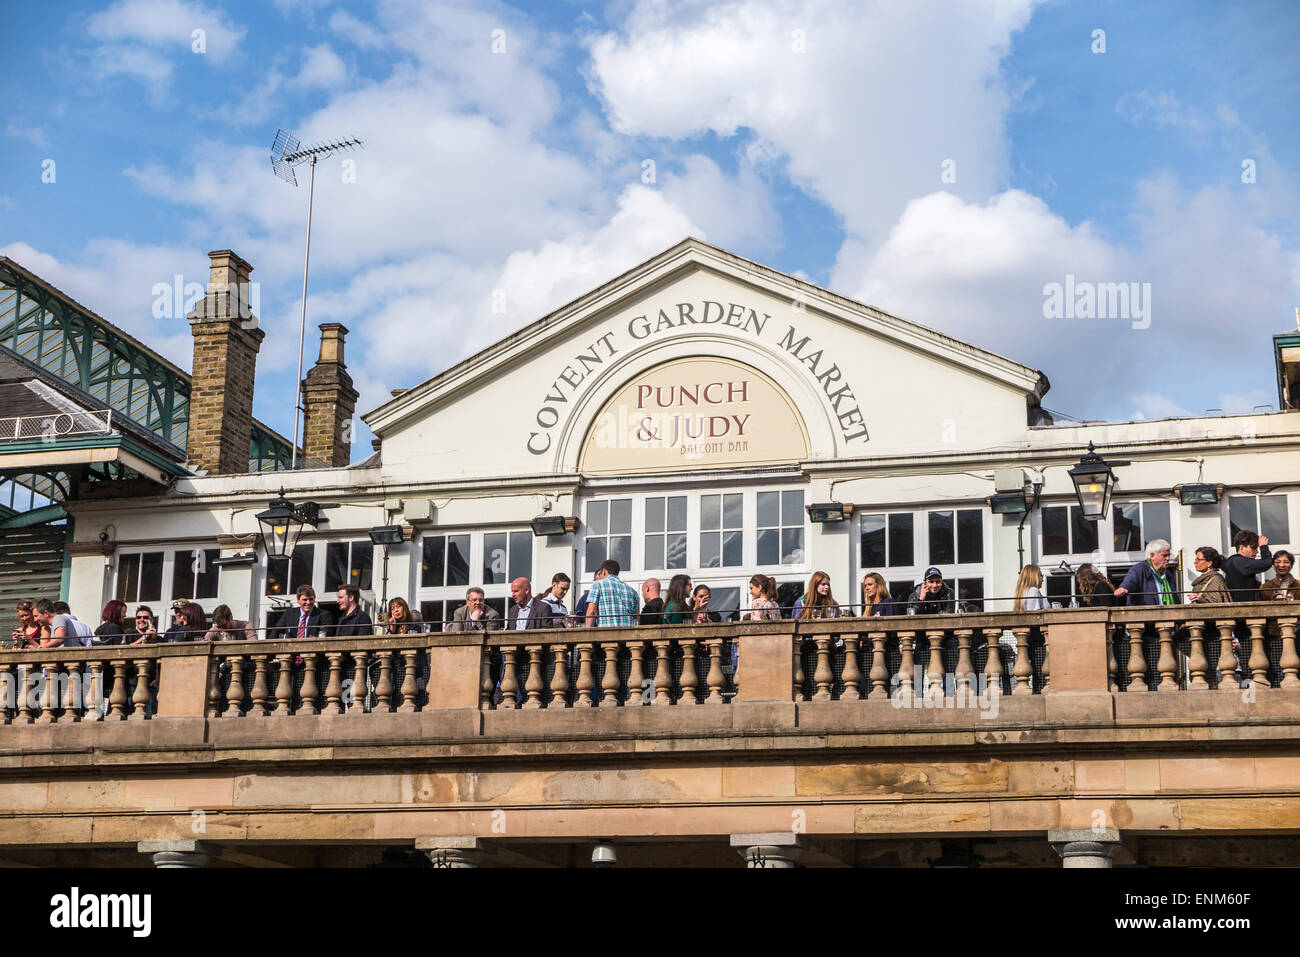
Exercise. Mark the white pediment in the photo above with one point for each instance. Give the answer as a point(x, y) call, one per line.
point(859, 381)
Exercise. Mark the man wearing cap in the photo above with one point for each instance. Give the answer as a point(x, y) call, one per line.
point(177, 631)
point(932, 596)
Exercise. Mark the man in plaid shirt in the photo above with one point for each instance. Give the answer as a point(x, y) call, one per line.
point(611, 602)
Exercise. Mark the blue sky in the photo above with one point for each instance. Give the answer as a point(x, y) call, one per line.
point(813, 137)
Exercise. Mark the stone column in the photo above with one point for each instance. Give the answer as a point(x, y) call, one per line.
point(1085, 847)
point(774, 849)
point(457, 851)
point(185, 853)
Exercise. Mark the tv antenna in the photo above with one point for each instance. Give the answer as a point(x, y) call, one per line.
point(286, 154)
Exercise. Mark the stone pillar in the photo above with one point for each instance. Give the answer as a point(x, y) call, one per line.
point(453, 851)
point(226, 341)
point(1085, 847)
point(185, 853)
point(775, 849)
point(329, 400)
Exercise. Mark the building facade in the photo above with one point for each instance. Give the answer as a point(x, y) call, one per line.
point(687, 413)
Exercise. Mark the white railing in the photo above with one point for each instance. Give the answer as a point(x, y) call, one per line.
point(51, 428)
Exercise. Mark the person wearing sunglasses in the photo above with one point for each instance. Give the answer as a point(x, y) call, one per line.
point(142, 631)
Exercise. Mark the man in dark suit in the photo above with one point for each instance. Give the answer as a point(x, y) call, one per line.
point(527, 611)
point(307, 620)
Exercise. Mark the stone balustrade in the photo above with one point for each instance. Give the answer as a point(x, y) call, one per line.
point(1122, 650)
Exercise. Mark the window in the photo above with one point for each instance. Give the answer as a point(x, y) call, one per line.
point(1067, 532)
point(609, 533)
point(348, 563)
point(507, 556)
point(1265, 514)
point(970, 590)
point(140, 577)
point(665, 532)
point(1136, 523)
point(957, 537)
point(194, 575)
point(780, 527)
point(887, 541)
point(721, 530)
point(281, 579)
point(445, 561)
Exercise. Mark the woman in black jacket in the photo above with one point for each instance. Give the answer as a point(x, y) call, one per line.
point(1094, 590)
point(112, 625)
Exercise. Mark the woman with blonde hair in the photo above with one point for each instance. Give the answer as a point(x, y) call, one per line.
point(1029, 590)
point(817, 600)
point(875, 597)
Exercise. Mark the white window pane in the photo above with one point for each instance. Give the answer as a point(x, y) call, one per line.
point(677, 513)
point(710, 511)
point(731, 516)
point(769, 504)
point(620, 515)
point(792, 508)
point(710, 554)
point(597, 518)
point(1272, 518)
point(654, 551)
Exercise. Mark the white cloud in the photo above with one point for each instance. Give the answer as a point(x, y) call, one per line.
point(36, 135)
point(1162, 108)
point(321, 68)
point(883, 94)
point(165, 25)
point(360, 34)
point(733, 211)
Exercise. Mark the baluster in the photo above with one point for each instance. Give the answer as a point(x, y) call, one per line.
point(95, 692)
point(360, 659)
point(852, 675)
point(1047, 659)
point(934, 671)
point(333, 686)
point(1197, 664)
point(509, 680)
point(141, 698)
point(714, 679)
point(1290, 662)
point(485, 685)
point(798, 669)
point(24, 700)
point(689, 680)
point(1024, 667)
point(214, 687)
point(1227, 660)
point(879, 666)
point(535, 684)
point(993, 663)
point(284, 683)
point(48, 680)
point(310, 687)
point(609, 682)
point(823, 676)
point(117, 697)
point(636, 675)
point(906, 648)
point(586, 682)
point(9, 683)
point(1167, 664)
point(1137, 662)
point(1112, 663)
point(260, 692)
point(663, 674)
point(384, 687)
point(1258, 663)
point(560, 678)
point(964, 677)
point(72, 703)
point(410, 657)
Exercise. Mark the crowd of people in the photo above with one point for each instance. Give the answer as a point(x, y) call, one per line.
point(611, 602)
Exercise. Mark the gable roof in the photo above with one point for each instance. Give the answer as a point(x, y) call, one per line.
point(686, 255)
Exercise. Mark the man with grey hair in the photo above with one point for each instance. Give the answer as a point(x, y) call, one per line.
point(1149, 582)
point(475, 614)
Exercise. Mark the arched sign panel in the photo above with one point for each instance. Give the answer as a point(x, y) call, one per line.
point(694, 414)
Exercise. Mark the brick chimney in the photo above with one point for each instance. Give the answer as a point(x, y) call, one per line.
point(226, 341)
point(329, 401)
